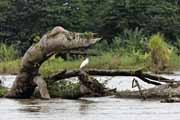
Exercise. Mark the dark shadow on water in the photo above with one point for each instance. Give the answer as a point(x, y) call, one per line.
point(43, 106)
point(29, 101)
point(84, 105)
point(33, 105)
point(31, 109)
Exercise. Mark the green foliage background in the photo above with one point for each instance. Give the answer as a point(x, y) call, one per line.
point(22, 21)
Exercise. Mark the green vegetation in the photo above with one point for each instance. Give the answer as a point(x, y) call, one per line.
point(64, 89)
point(23, 20)
point(109, 60)
point(3, 90)
point(160, 53)
point(10, 67)
point(7, 52)
point(129, 30)
point(106, 61)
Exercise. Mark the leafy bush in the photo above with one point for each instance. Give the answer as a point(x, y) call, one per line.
point(101, 46)
point(130, 40)
point(151, 15)
point(135, 39)
point(160, 52)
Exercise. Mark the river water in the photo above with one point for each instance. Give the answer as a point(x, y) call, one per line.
point(107, 108)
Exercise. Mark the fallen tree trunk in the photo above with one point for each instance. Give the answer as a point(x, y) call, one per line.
point(170, 91)
point(146, 77)
point(54, 41)
point(87, 86)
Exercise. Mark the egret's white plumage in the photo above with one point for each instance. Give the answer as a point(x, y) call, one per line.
point(84, 63)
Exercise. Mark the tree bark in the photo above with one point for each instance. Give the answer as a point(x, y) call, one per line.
point(42, 87)
point(52, 42)
point(93, 86)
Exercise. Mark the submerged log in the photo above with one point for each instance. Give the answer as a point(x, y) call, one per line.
point(165, 91)
point(58, 39)
point(169, 91)
point(171, 100)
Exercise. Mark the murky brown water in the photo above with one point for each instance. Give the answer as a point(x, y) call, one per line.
point(107, 108)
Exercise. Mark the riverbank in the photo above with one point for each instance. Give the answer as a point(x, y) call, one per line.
point(105, 61)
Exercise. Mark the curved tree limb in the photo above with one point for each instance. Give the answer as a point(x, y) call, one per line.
point(54, 41)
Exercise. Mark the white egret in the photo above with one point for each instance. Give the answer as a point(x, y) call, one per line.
point(84, 63)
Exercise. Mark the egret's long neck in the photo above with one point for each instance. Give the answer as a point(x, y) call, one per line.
point(87, 59)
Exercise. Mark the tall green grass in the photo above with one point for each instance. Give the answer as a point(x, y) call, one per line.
point(7, 53)
point(10, 67)
point(108, 60)
point(160, 52)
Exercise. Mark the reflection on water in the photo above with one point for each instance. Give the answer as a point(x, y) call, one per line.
point(87, 108)
point(107, 108)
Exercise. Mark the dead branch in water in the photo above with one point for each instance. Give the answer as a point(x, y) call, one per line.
point(146, 77)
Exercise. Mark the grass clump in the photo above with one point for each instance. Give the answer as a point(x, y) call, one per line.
point(10, 67)
point(159, 52)
point(7, 52)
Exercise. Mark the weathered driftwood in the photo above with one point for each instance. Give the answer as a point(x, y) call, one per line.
point(146, 77)
point(94, 88)
point(165, 91)
point(169, 91)
point(171, 100)
point(87, 86)
point(135, 83)
point(54, 41)
point(42, 87)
